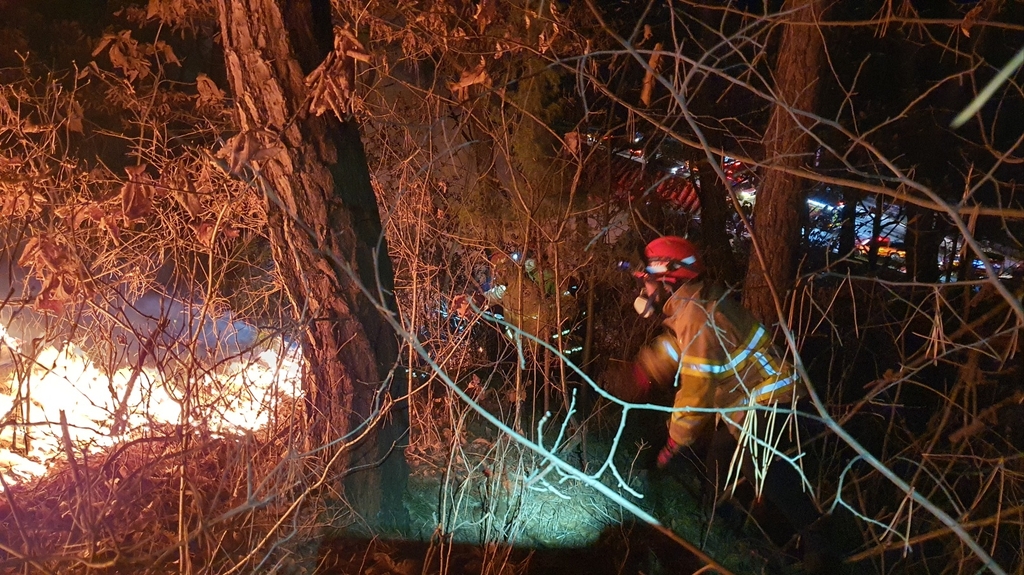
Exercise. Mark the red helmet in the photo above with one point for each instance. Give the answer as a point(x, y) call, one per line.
point(672, 258)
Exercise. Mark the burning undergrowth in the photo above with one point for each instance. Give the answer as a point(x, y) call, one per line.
point(141, 468)
point(60, 400)
point(152, 503)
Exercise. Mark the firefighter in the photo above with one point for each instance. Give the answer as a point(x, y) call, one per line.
point(714, 354)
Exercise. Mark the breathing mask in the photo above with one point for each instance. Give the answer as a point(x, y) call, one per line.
point(643, 305)
point(648, 304)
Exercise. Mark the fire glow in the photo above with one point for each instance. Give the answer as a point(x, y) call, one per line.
point(239, 395)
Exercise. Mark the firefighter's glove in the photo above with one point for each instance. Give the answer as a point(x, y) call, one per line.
point(628, 382)
point(667, 453)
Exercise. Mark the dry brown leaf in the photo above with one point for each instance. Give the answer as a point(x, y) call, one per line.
point(117, 57)
point(22, 203)
point(332, 84)
point(54, 295)
point(76, 216)
point(209, 93)
point(167, 51)
point(102, 44)
point(648, 85)
point(111, 227)
point(50, 262)
point(95, 213)
point(75, 117)
point(43, 254)
point(243, 148)
point(207, 233)
point(137, 171)
point(486, 11)
point(189, 200)
point(124, 54)
point(545, 41)
point(107, 221)
point(472, 77)
point(572, 143)
point(969, 19)
point(171, 11)
point(154, 9)
point(204, 234)
point(136, 193)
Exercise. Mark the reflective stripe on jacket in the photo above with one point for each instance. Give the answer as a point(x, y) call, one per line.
point(715, 354)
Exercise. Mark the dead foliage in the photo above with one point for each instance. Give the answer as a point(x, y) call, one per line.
point(459, 106)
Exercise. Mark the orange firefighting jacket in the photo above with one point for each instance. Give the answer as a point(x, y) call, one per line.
point(715, 354)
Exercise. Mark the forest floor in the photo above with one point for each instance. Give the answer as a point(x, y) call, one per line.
point(481, 509)
point(477, 502)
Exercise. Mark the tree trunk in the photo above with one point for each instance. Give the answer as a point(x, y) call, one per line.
point(320, 210)
point(848, 229)
point(876, 232)
point(714, 212)
point(922, 245)
point(777, 211)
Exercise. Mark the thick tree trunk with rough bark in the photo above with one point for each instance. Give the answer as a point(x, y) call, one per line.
point(321, 210)
point(779, 196)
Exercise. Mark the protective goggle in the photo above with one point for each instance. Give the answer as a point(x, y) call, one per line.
point(653, 270)
point(656, 267)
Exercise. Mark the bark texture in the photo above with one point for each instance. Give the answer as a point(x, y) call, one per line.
point(320, 206)
point(780, 195)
